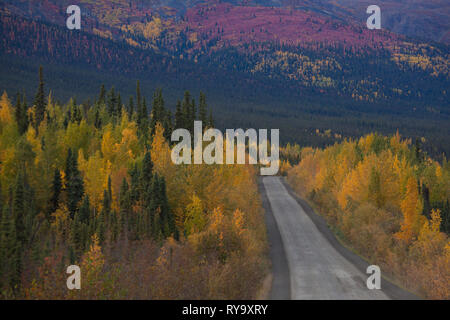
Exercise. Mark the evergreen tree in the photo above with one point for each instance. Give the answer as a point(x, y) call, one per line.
point(142, 122)
point(138, 99)
point(125, 205)
point(146, 176)
point(158, 111)
point(118, 109)
point(168, 126)
point(74, 183)
point(56, 191)
point(21, 116)
point(102, 96)
point(179, 121)
point(211, 120)
point(39, 100)
point(186, 111)
point(10, 253)
point(103, 217)
point(76, 237)
point(97, 120)
point(202, 113)
point(134, 189)
point(112, 102)
point(19, 208)
point(85, 210)
point(130, 109)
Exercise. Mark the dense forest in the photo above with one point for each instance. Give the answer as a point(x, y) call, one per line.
point(387, 199)
point(347, 89)
point(93, 185)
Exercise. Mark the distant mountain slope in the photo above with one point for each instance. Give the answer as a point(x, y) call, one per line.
point(415, 18)
point(263, 67)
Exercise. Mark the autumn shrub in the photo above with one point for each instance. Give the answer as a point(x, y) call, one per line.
point(384, 198)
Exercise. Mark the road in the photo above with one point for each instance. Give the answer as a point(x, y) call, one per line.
point(308, 261)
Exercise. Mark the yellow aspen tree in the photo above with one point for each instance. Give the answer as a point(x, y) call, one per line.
point(411, 207)
point(6, 115)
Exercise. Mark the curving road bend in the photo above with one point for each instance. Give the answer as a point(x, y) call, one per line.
point(317, 268)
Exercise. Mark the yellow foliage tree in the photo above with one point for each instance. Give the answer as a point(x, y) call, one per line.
point(411, 207)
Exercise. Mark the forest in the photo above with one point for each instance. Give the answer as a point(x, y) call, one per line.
point(349, 89)
point(93, 185)
point(385, 198)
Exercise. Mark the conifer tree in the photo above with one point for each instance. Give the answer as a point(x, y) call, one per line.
point(186, 111)
point(118, 109)
point(10, 256)
point(202, 113)
point(138, 95)
point(21, 115)
point(74, 183)
point(56, 191)
point(19, 207)
point(97, 120)
point(158, 111)
point(102, 96)
point(168, 126)
point(179, 121)
point(211, 120)
point(85, 210)
point(146, 176)
point(39, 100)
point(130, 108)
point(112, 102)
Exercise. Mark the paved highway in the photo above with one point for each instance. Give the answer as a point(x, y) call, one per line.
point(316, 266)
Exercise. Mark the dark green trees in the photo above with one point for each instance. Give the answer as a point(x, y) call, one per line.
point(56, 191)
point(39, 100)
point(74, 183)
point(21, 114)
point(147, 192)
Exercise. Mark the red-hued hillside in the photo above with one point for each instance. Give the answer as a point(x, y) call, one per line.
point(238, 24)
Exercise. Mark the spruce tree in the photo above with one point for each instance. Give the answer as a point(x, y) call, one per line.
point(202, 113)
point(211, 120)
point(102, 96)
point(158, 111)
point(130, 109)
point(21, 116)
point(39, 100)
point(179, 121)
point(146, 176)
point(74, 183)
point(85, 210)
point(134, 189)
point(112, 102)
point(125, 205)
point(56, 191)
point(118, 109)
point(10, 253)
point(138, 97)
point(186, 111)
point(168, 126)
point(19, 208)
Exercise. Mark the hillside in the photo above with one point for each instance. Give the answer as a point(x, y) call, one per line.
point(322, 72)
point(419, 19)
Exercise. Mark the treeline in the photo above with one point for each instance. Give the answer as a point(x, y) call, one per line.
point(387, 199)
point(93, 184)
